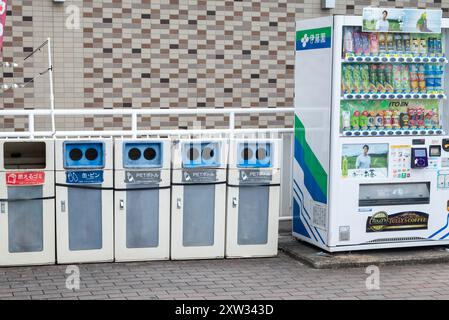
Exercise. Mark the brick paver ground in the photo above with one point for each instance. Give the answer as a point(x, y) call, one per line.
point(272, 278)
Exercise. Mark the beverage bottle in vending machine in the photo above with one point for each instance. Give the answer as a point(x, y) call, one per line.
point(358, 43)
point(421, 79)
point(412, 118)
point(357, 79)
point(355, 120)
point(389, 87)
point(382, 43)
point(429, 76)
point(373, 77)
point(365, 44)
point(403, 121)
point(405, 85)
point(374, 43)
point(348, 43)
point(347, 78)
point(364, 120)
point(381, 78)
point(395, 119)
point(387, 119)
point(435, 118)
point(428, 123)
point(399, 43)
point(397, 78)
point(407, 44)
point(430, 46)
point(437, 73)
point(391, 48)
point(420, 118)
point(415, 44)
point(438, 46)
point(364, 70)
point(423, 47)
point(346, 120)
point(380, 120)
point(414, 78)
point(372, 120)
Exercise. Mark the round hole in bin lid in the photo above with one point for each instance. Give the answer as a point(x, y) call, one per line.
point(75, 154)
point(208, 153)
point(247, 154)
point(192, 154)
point(91, 154)
point(149, 154)
point(261, 154)
point(134, 154)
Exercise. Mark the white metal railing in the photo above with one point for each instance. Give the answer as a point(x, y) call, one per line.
point(134, 114)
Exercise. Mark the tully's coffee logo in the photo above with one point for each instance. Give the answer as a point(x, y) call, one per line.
point(402, 221)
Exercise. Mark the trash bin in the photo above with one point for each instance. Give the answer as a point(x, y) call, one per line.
point(198, 199)
point(27, 203)
point(84, 200)
point(142, 199)
point(252, 217)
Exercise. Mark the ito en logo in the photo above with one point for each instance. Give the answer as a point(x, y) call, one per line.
point(373, 280)
point(305, 40)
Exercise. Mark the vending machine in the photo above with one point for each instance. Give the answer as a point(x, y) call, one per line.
point(371, 155)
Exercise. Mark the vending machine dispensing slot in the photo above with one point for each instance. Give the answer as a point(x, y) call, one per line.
point(390, 194)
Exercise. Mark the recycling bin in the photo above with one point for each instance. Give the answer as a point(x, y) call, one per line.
point(84, 200)
point(253, 205)
point(198, 199)
point(142, 199)
point(27, 204)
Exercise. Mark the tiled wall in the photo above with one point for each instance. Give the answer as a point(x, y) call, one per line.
point(162, 54)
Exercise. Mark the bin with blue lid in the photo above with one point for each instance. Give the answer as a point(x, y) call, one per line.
point(84, 200)
point(253, 198)
point(142, 199)
point(198, 198)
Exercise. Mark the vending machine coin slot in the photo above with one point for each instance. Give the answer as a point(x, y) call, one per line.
point(435, 151)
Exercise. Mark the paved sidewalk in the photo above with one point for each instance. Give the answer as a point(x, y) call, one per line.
point(273, 278)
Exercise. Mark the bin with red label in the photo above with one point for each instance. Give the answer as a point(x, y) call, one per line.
point(84, 200)
point(27, 202)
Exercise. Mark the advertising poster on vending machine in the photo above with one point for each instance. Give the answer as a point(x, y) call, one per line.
point(401, 20)
point(364, 161)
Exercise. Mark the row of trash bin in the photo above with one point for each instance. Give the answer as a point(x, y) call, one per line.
point(75, 201)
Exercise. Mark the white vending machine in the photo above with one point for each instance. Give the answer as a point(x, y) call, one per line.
point(142, 199)
point(27, 202)
point(198, 199)
point(253, 192)
point(371, 155)
point(84, 201)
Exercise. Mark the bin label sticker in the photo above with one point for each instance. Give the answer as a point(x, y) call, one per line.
point(142, 177)
point(84, 177)
point(31, 178)
point(199, 176)
point(255, 176)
